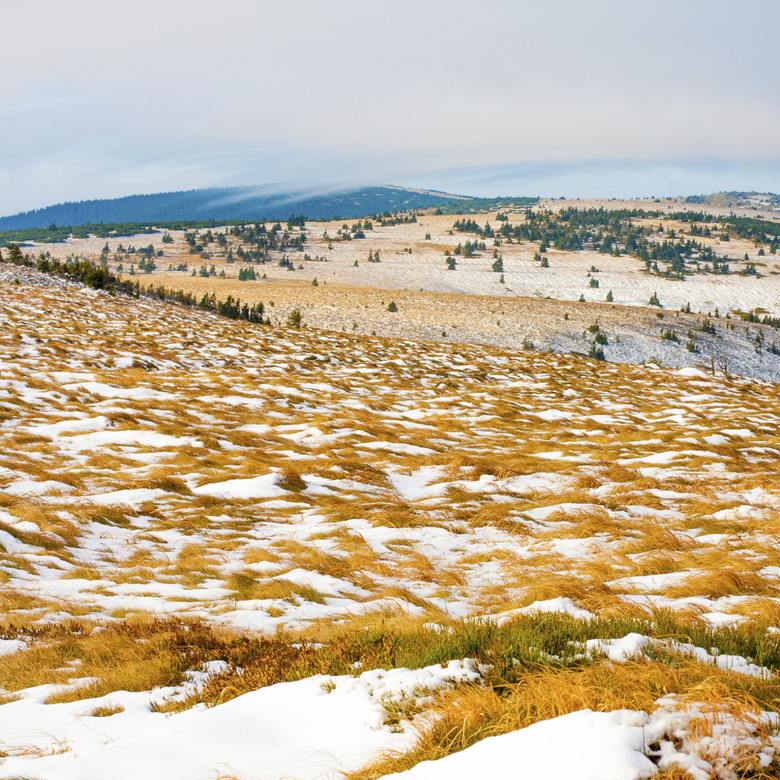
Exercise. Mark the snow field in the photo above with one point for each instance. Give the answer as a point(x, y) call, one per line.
point(159, 462)
point(307, 476)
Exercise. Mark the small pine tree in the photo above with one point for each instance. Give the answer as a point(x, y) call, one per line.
point(294, 319)
point(654, 300)
point(392, 307)
point(596, 352)
point(610, 297)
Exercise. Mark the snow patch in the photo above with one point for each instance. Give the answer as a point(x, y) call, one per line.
point(264, 486)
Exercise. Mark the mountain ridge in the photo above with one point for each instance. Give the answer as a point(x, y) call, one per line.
point(229, 204)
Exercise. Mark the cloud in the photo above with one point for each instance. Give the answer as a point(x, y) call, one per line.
point(111, 98)
point(622, 178)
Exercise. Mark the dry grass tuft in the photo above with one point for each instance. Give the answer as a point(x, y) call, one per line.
point(246, 586)
point(291, 480)
point(107, 711)
point(656, 537)
point(170, 484)
point(716, 584)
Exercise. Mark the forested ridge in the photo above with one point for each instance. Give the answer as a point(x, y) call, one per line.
point(226, 204)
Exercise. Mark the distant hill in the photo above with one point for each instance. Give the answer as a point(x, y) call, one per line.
point(756, 200)
point(226, 204)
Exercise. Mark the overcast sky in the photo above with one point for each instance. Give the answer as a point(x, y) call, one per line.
point(104, 98)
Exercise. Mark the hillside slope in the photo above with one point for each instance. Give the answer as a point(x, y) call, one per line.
point(288, 553)
point(113, 408)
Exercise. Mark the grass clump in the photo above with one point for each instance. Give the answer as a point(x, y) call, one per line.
point(107, 711)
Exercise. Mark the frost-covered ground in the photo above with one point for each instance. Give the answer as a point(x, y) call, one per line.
point(158, 461)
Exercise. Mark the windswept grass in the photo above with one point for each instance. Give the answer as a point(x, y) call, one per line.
point(411, 481)
point(530, 651)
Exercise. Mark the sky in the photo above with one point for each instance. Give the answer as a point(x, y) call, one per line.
point(505, 97)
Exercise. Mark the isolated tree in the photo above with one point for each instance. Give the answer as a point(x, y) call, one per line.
point(392, 307)
point(15, 255)
point(596, 352)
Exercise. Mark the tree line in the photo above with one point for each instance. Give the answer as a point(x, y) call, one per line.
point(98, 277)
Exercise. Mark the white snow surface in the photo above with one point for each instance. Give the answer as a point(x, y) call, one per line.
point(131, 498)
point(633, 646)
point(562, 604)
point(86, 441)
point(582, 745)
point(31, 487)
point(109, 391)
point(311, 728)
point(255, 487)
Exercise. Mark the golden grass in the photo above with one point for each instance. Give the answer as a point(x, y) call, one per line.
point(447, 384)
point(107, 711)
point(658, 538)
point(135, 659)
point(246, 585)
point(719, 583)
point(260, 555)
point(502, 516)
point(168, 483)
